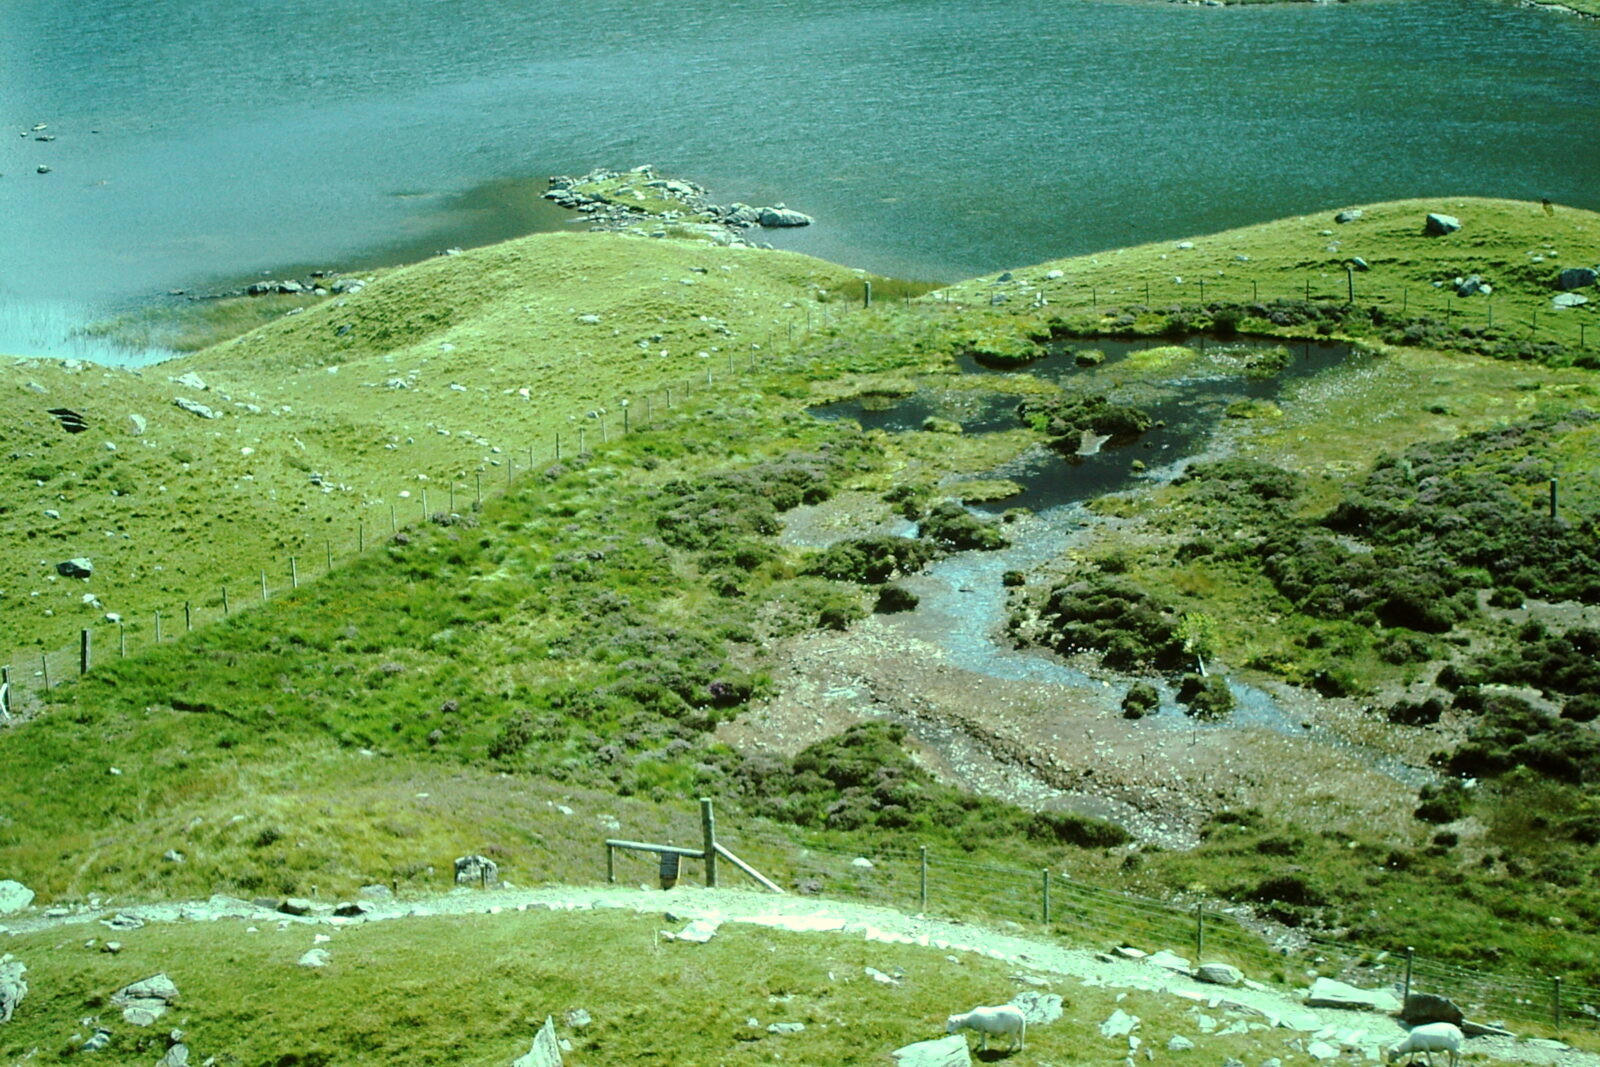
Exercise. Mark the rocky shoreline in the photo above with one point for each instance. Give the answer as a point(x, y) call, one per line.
point(641, 201)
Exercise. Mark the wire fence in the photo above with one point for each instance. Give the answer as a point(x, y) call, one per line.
point(906, 876)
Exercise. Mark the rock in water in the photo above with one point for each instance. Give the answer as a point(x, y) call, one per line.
point(778, 215)
point(1438, 225)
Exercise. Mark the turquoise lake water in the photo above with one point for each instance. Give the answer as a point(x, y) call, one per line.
point(200, 147)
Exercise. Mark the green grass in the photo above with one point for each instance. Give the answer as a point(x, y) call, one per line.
point(475, 988)
point(445, 691)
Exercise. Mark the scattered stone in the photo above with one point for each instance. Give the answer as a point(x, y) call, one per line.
point(194, 407)
point(77, 567)
point(1577, 278)
point(878, 976)
point(97, 1040)
point(1472, 283)
point(861, 863)
point(1430, 1008)
point(315, 957)
point(1179, 1043)
point(144, 1002)
point(477, 870)
point(1359, 264)
point(111, 947)
point(546, 1050)
point(172, 855)
point(1040, 1009)
point(785, 1028)
point(1568, 300)
point(191, 380)
point(1472, 1029)
point(698, 932)
point(1349, 214)
point(578, 1019)
point(1219, 974)
point(1328, 993)
point(945, 1052)
point(1120, 1024)
point(12, 986)
point(177, 1056)
point(1438, 225)
point(1170, 960)
point(14, 896)
point(295, 906)
point(352, 909)
point(1128, 952)
point(1321, 1050)
point(122, 922)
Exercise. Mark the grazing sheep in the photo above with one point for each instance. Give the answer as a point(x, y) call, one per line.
point(1006, 1019)
point(1428, 1039)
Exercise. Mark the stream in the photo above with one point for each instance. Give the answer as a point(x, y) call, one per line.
point(962, 600)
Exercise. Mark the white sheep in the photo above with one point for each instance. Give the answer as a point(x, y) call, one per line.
point(1428, 1039)
point(1006, 1019)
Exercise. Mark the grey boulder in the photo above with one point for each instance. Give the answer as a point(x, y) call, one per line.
point(1577, 278)
point(778, 216)
point(1438, 225)
point(14, 896)
point(77, 567)
point(945, 1052)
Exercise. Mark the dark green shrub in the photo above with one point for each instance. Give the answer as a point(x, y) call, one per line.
point(1127, 627)
point(894, 598)
point(949, 525)
point(1416, 713)
point(1206, 697)
point(1081, 831)
point(1141, 699)
point(871, 560)
point(1444, 802)
point(1585, 707)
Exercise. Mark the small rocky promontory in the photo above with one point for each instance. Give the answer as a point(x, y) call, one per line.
point(642, 201)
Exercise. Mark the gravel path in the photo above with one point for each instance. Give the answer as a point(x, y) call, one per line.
point(1361, 1032)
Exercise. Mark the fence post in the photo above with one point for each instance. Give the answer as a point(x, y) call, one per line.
point(1349, 284)
point(625, 403)
point(83, 651)
point(611, 863)
point(122, 642)
point(263, 583)
point(1555, 999)
point(1405, 993)
point(582, 433)
point(361, 535)
point(1199, 933)
point(424, 503)
point(922, 879)
point(708, 832)
point(1553, 482)
point(224, 600)
point(393, 526)
point(44, 664)
point(158, 627)
point(477, 477)
point(188, 618)
point(294, 573)
point(5, 691)
point(1045, 873)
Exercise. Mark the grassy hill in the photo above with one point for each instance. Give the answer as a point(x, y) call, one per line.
point(574, 640)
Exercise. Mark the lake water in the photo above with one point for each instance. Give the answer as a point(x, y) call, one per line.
point(200, 147)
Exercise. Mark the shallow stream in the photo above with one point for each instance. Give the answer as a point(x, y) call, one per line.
point(962, 600)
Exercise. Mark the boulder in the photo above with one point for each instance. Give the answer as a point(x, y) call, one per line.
point(1430, 1008)
point(1438, 225)
point(71, 421)
point(1170, 960)
point(1577, 278)
point(546, 1050)
point(77, 567)
point(191, 380)
point(315, 957)
point(945, 1052)
point(144, 1002)
point(194, 407)
point(1568, 300)
point(12, 986)
point(376, 892)
point(477, 870)
point(352, 909)
point(1038, 1008)
point(1179, 1043)
point(14, 896)
point(1219, 974)
point(177, 1056)
point(1119, 1024)
point(1472, 283)
point(1349, 214)
point(1357, 263)
point(1328, 993)
point(779, 216)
